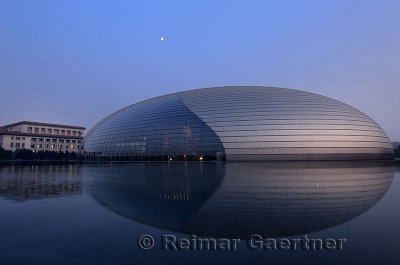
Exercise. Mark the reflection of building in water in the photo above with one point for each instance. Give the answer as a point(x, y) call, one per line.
point(37, 182)
point(174, 196)
point(238, 199)
point(397, 168)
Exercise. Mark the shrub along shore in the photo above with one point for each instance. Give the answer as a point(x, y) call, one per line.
point(29, 155)
point(26, 154)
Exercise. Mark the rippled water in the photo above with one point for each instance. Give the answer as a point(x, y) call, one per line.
point(95, 214)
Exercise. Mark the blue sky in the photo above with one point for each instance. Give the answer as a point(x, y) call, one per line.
point(75, 62)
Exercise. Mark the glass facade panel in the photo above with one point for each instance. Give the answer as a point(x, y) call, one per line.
point(159, 129)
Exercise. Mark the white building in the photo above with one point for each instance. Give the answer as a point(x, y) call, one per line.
point(40, 136)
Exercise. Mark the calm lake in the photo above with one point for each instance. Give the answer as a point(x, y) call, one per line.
point(96, 213)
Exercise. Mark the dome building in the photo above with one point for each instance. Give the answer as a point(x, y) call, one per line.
point(238, 123)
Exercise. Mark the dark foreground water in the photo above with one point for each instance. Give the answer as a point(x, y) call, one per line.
point(95, 214)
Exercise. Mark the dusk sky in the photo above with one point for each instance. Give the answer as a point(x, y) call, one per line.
point(74, 62)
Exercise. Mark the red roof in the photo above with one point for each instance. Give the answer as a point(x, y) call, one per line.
point(43, 124)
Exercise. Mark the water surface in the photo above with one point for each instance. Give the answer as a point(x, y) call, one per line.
point(95, 214)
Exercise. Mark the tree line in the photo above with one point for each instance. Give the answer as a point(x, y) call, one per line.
point(26, 154)
point(397, 152)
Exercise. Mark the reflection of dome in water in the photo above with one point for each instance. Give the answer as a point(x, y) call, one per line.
point(238, 199)
point(287, 199)
point(156, 194)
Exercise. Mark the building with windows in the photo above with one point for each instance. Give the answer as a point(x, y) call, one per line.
point(238, 123)
point(38, 136)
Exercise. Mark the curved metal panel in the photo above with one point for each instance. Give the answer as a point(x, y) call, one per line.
point(269, 123)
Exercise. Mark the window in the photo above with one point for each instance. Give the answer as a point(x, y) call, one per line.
point(39, 146)
point(63, 132)
point(79, 142)
point(54, 140)
point(42, 130)
point(17, 145)
point(33, 139)
point(53, 146)
point(47, 140)
point(73, 141)
point(61, 140)
point(36, 130)
point(66, 147)
point(72, 147)
point(23, 145)
point(56, 131)
point(47, 146)
point(23, 138)
point(29, 129)
point(17, 138)
point(68, 132)
point(12, 137)
point(11, 145)
point(32, 145)
point(40, 139)
point(67, 141)
point(74, 133)
point(49, 131)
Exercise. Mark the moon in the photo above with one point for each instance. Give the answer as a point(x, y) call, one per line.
point(162, 38)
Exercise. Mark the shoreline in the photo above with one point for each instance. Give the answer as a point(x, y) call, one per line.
point(88, 162)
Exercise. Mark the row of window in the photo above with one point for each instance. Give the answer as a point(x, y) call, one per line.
point(47, 146)
point(54, 131)
point(54, 140)
point(17, 138)
point(54, 147)
point(17, 145)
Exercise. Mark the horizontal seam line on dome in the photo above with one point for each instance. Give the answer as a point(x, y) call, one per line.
point(293, 130)
point(267, 108)
point(313, 135)
point(289, 124)
point(224, 115)
point(297, 147)
point(299, 116)
point(305, 141)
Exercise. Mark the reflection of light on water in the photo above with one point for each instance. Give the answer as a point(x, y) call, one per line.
point(174, 196)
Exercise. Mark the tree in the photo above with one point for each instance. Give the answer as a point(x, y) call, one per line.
point(73, 156)
point(5, 154)
point(397, 152)
point(23, 154)
point(40, 155)
point(66, 155)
